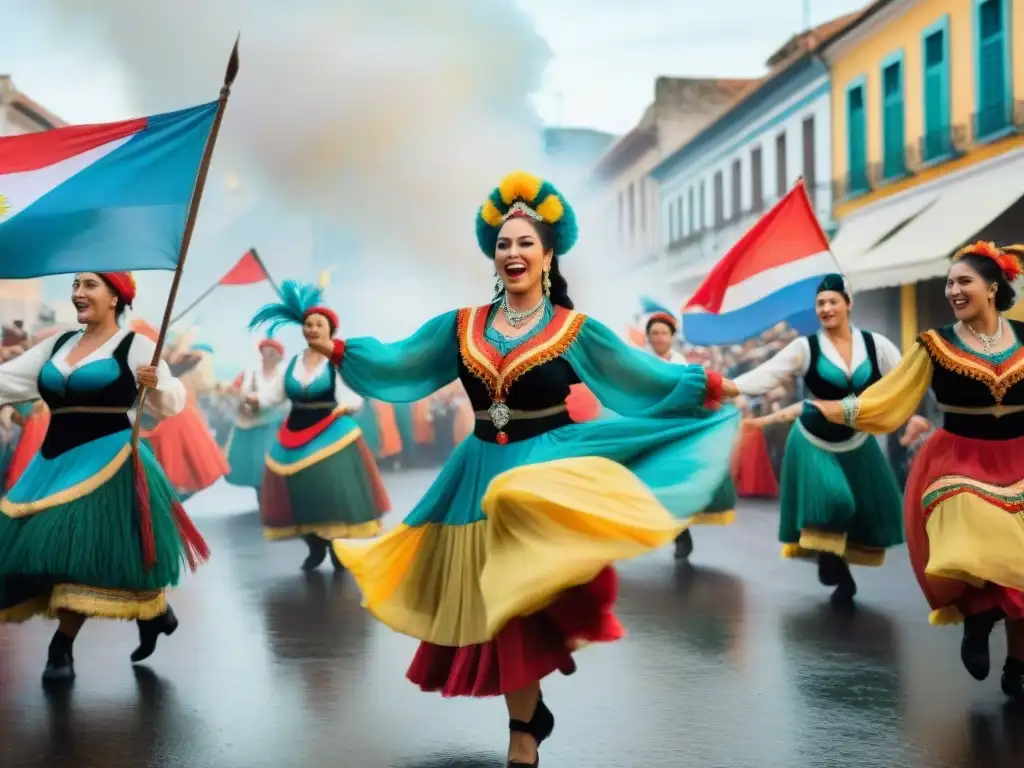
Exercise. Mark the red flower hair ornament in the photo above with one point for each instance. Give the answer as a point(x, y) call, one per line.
point(1007, 259)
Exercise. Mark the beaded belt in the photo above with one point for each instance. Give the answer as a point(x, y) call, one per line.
point(500, 415)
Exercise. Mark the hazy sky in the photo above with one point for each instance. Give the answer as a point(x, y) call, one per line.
point(606, 54)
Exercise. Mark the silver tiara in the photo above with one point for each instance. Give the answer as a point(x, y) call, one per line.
point(519, 208)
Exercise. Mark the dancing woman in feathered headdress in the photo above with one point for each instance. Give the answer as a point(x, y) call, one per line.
point(503, 569)
point(321, 481)
point(964, 497)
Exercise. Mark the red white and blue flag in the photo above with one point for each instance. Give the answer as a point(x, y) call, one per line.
point(102, 198)
point(770, 275)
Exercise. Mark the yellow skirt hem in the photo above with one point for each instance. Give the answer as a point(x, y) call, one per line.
point(327, 531)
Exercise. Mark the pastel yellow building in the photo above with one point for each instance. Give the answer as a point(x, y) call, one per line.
point(927, 146)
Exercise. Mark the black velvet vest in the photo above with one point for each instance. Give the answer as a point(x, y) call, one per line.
point(79, 390)
point(965, 380)
point(534, 377)
point(313, 403)
point(824, 389)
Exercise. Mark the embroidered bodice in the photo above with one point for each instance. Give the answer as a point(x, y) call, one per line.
point(965, 380)
point(527, 375)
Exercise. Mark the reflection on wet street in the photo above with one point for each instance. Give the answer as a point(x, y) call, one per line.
point(736, 660)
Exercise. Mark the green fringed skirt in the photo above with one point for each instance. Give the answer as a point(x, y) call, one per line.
point(327, 485)
point(71, 538)
point(843, 501)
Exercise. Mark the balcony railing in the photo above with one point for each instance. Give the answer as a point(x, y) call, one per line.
point(932, 148)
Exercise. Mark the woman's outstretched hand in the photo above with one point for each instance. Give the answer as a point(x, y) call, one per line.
point(729, 389)
point(831, 410)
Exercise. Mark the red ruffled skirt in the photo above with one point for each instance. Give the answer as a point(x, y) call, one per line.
point(527, 649)
point(752, 471)
point(992, 462)
point(187, 451)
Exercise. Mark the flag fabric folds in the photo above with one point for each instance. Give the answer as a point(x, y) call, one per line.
point(101, 198)
point(770, 275)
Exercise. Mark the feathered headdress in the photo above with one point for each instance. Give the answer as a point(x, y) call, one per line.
point(522, 194)
point(1007, 259)
point(298, 301)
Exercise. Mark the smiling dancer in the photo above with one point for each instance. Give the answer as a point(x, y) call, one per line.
point(661, 332)
point(254, 429)
point(839, 499)
point(502, 570)
point(93, 529)
point(964, 498)
point(321, 481)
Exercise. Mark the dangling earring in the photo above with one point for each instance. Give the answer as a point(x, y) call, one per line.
point(546, 283)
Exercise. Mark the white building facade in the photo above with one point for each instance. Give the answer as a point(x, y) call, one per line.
point(715, 187)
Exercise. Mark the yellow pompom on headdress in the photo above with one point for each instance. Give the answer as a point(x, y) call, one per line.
point(1007, 259)
point(522, 194)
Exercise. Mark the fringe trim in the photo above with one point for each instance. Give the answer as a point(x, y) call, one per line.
point(823, 541)
point(998, 379)
point(725, 517)
point(871, 557)
point(327, 531)
point(196, 549)
point(101, 603)
point(499, 373)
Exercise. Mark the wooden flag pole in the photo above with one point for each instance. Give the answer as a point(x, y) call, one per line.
point(194, 304)
point(190, 223)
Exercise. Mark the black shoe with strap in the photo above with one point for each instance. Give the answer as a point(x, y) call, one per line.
point(540, 727)
point(150, 631)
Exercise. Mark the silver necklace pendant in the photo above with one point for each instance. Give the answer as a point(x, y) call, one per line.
point(519, 319)
point(986, 340)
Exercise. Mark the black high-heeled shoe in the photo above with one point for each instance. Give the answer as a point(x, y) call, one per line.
point(974, 646)
point(1013, 679)
point(317, 552)
point(541, 726)
point(60, 662)
point(150, 631)
point(684, 545)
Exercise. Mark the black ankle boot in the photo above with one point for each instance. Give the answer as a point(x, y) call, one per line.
point(1013, 679)
point(846, 587)
point(974, 646)
point(150, 631)
point(684, 545)
point(60, 663)
point(830, 569)
point(317, 552)
point(338, 565)
point(541, 725)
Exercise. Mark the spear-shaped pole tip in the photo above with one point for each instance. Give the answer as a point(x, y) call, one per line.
point(232, 71)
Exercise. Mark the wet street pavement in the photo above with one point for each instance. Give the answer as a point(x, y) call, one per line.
point(734, 661)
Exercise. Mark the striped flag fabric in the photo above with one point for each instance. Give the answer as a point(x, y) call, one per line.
point(103, 198)
point(769, 276)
